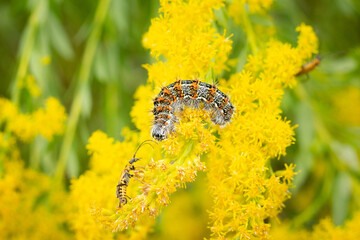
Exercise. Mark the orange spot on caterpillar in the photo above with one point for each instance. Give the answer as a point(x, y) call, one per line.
point(215, 101)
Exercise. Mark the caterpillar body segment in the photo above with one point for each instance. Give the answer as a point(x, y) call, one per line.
point(193, 93)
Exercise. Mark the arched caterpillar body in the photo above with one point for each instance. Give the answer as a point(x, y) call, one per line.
point(192, 93)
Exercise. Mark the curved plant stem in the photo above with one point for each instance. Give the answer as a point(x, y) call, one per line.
point(249, 30)
point(27, 47)
point(318, 202)
point(82, 81)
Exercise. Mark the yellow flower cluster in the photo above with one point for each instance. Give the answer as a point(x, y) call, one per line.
point(29, 206)
point(46, 122)
point(30, 84)
point(185, 36)
point(347, 106)
point(27, 209)
point(93, 194)
point(324, 230)
point(242, 184)
point(245, 190)
point(255, 6)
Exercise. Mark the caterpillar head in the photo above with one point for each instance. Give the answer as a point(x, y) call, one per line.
point(159, 132)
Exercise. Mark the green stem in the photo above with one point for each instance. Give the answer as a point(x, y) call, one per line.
point(28, 44)
point(334, 163)
point(83, 81)
point(186, 151)
point(319, 201)
point(249, 30)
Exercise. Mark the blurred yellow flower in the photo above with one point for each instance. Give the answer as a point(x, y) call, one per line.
point(323, 230)
point(347, 106)
point(27, 209)
point(32, 86)
point(237, 7)
point(46, 60)
point(46, 122)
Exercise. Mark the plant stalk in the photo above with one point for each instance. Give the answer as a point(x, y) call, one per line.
point(82, 81)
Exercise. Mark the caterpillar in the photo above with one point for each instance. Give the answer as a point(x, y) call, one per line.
point(193, 93)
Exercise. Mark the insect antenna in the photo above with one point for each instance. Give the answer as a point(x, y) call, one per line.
point(144, 142)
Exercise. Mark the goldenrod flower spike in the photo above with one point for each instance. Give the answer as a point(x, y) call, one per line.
point(245, 191)
point(47, 122)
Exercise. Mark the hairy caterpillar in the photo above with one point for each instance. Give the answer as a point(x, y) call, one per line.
point(193, 93)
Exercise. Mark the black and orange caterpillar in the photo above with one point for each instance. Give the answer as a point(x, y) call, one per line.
point(193, 93)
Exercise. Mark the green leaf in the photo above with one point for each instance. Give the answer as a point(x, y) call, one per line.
point(87, 101)
point(59, 38)
point(100, 65)
point(346, 7)
point(113, 60)
point(346, 154)
point(72, 167)
point(241, 59)
point(221, 17)
point(119, 11)
point(341, 196)
point(339, 65)
point(304, 162)
point(261, 20)
point(209, 78)
point(305, 133)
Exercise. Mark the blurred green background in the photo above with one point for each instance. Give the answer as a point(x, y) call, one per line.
point(63, 35)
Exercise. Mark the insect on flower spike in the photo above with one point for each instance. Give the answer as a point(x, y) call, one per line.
point(309, 66)
point(126, 175)
point(192, 93)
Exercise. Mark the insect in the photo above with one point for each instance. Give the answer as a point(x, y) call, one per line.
point(125, 177)
point(309, 66)
point(173, 97)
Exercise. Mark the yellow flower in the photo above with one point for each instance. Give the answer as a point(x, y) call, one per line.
point(323, 230)
point(308, 43)
point(347, 106)
point(237, 7)
point(27, 209)
point(50, 121)
point(245, 192)
point(46, 60)
point(46, 122)
point(8, 110)
point(287, 174)
point(93, 199)
point(32, 86)
point(244, 187)
point(184, 35)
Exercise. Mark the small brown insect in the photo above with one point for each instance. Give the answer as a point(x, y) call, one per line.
point(125, 177)
point(308, 67)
